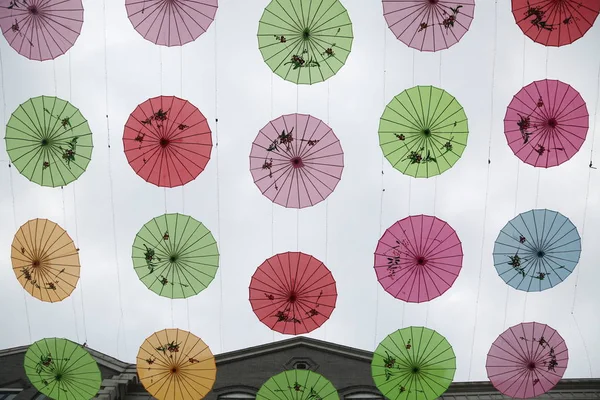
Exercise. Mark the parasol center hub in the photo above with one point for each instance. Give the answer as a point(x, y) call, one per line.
point(173, 258)
point(297, 162)
point(164, 142)
point(421, 260)
point(293, 297)
point(433, 1)
point(531, 366)
point(45, 142)
point(33, 10)
point(306, 34)
point(416, 370)
point(426, 132)
point(541, 254)
point(58, 377)
point(35, 264)
point(552, 123)
point(174, 370)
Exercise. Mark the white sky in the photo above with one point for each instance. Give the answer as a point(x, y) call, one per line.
point(120, 312)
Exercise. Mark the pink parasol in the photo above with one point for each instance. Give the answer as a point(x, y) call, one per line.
point(546, 123)
point(41, 29)
point(293, 293)
point(527, 360)
point(296, 160)
point(418, 258)
point(429, 25)
point(167, 141)
point(171, 22)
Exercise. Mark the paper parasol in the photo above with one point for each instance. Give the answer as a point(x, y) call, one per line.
point(173, 364)
point(296, 161)
point(429, 25)
point(171, 22)
point(297, 385)
point(62, 369)
point(537, 250)
point(423, 131)
point(167, 141)
point(527, 360)
point(45, 260)
point(546, 123)
point(555, 23)
point(293, 293)
point(415, 363)
point(175, 256)
point(49, 141)
point(41, 29)
point(418, 258)
point(305, 41)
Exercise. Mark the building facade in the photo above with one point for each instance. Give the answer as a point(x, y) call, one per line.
point(241, 373)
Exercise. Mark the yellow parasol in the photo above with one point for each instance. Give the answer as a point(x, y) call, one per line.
point(174, 364)
point(45, 260)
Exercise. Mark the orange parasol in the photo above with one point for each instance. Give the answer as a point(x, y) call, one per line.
point(174, 364)
point(45, 260)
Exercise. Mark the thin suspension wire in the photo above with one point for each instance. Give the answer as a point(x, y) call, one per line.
point(221, 307)
point(110, 178)
point(382, 187)
point(72, 298)
point(297, 210)
point(487, 186)
point(272, 205)
point(12, 190)
point(507, 296)
point(187, 301)
point(327, 202)
point(585, 209)
point(587, 194)
point(85, 338)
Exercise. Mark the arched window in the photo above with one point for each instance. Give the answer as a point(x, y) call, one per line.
point(363, 396)
point(236, 396)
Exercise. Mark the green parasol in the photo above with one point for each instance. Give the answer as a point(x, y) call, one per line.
point(297, 384)
point(413, 363)
point(423, 131)
point(62, 370)
point(175, 256)
point(305, 41)
point(49, 141)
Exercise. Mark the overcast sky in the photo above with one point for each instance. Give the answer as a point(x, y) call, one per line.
point(115, 312)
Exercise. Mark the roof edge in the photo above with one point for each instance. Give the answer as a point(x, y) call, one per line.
point(268, 348)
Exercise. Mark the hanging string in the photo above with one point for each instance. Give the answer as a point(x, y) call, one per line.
point(382, 184)
point(487, 186)
point(187, 301)
point(110, 178)
point(71, 299)
point(297, 209)
point(516, 187)
point(221, 307)
point(12, 190)
point(585, 209)
point(85, 339)
point(272, 203)
point(327, 202)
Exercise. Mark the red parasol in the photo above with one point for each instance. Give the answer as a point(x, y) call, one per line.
point(171, 22)
point(296, 161)
point(41, 29)
point(555, 22)
point(418, 258)
point(546, 123)
point(527, 360)
point(167, 141)
point(429, 25)
point(293, 293)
